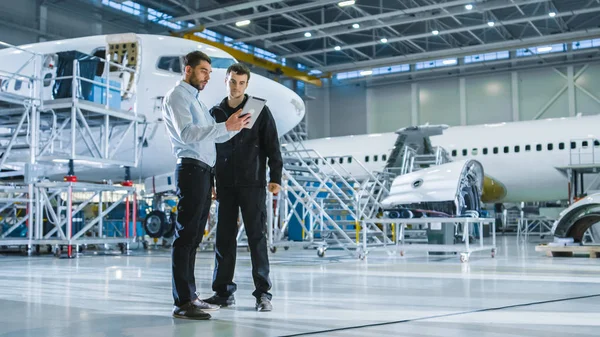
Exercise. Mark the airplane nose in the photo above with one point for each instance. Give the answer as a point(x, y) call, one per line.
point(286, 106)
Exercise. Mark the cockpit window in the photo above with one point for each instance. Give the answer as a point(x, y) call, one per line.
point(221, 62)
point(173, 63)
point(170, 63)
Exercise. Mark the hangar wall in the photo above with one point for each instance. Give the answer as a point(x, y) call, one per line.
point(459, 100)
point(29, 21)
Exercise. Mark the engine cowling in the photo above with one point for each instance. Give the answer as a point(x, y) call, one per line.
point(451, 189)
point(575, 220)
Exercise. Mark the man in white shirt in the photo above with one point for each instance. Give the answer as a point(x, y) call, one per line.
point(193, 133)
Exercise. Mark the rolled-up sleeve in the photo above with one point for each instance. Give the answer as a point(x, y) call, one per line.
point(178, 107)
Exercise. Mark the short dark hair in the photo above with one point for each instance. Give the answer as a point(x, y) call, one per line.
point(239, 68)
point(194, 58)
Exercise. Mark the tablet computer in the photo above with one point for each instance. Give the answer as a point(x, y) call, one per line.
point(253, 106)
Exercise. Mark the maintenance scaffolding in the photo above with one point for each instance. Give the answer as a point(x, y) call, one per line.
point(52, 125)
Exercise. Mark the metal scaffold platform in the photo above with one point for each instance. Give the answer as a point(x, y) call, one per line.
point(59, 117)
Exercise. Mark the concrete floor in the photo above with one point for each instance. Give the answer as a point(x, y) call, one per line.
point(519, 293)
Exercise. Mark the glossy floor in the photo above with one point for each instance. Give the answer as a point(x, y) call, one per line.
point(519, 293)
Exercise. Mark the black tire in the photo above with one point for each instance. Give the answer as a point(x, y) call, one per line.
point(155, 224)
point(170, 226)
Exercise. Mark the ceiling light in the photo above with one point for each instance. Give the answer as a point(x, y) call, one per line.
point(450, 61)
point(491, 23)
point(544, 49)
point(435, 32)
point(346, 3)
point(242, 23)
point(469, 7)
point(307, 34)
point(384, 40)
point(356, 26)
point(552, 14)
point(366, 72)
point(337, 48)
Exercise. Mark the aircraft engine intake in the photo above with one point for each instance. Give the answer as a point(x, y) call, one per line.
point(447, 190)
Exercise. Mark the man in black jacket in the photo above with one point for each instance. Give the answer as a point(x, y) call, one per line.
point(241, 179)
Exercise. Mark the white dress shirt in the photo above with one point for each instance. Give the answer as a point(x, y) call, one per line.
point(190, 126)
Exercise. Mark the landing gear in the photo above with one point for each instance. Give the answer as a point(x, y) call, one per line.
point(155, 224)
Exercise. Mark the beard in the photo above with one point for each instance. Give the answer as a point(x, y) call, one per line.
point(196, 83)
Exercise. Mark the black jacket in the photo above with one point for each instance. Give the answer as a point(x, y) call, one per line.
point(241, 161)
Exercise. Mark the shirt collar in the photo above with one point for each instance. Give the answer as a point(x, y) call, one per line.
point(188, 87)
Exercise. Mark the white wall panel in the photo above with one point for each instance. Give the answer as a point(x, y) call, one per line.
point(439, 102)
point(348, 106)
point(536, 88)
point(389, 108)
point(317, 112)
point(488, 99)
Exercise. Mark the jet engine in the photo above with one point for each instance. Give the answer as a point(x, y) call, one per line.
point(446, 190)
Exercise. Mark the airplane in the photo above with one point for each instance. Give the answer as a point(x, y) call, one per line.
point(158, 65)
point(525, 160)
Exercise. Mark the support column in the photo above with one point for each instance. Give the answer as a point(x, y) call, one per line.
point(415, 105)
point(515, 95)
point(463, 100)
point(571, 90)
point(326, 113)
point(43, 22)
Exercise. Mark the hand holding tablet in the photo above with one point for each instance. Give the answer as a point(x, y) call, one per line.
point(253, 106)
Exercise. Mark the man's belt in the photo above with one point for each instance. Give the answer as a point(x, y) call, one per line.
point(196, 162)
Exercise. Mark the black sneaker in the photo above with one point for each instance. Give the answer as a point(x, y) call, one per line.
point(205, 306)
point(190, 311)
point(264, 304)
point(222, 301)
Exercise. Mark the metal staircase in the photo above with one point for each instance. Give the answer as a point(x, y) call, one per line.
point(326, 200)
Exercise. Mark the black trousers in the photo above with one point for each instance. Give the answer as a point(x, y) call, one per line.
point(194, 186)
point(251, 201)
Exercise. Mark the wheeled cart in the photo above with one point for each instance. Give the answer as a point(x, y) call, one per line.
point(465, 249)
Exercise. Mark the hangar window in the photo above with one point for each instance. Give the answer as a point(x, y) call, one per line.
point(555, 48)
point(487, 57)
point(561, 146)
point(375, 157)
point(586, 44)
point(506, 149)
point(527, 147)
point(485, 150)
point(221, 62)
point(349, 160)
point(474, 152)
point(366, 159)
point(573, 145)
point(517, 149)
point(584, 143)
point(495, 150)
point(341, 160)
point(550, 146)
point(538, 147)
point(170, 63)
point(464, 152)
point(596, 143)
point(454, 153)
point(384, 157)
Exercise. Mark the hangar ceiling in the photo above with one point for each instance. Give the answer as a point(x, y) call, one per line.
point(329, 37)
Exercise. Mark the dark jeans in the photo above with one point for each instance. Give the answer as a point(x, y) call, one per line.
point(251, 200)
point(194, 185)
